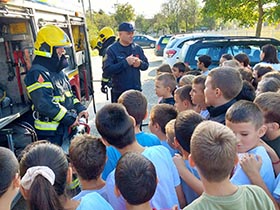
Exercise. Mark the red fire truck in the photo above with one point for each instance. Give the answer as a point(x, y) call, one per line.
point(20, 21)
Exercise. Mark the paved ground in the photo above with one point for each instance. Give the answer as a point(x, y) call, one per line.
point(147, 78)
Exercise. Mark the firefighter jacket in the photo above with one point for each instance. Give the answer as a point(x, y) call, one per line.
point(52, 97)
point(124, 76)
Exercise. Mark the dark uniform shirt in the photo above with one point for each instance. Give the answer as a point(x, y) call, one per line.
point(115, 66)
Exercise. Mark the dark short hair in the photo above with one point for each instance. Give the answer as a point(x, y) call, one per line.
point(184, 93)
point(88, 156)
point(227, 56)
point(181, 66)
point(135, 103)
point(205, 59)
point(185, 124)
point(115, 125)
point(9, 167)
point(242, 58)
point(162, 114)
point(136, 178)
point(247, 92)
point(245, 112)
point(222, 77)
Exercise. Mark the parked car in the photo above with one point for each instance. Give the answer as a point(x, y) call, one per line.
point(215, 47)
point(161, 44)
point(145, 41)
point(173, 48)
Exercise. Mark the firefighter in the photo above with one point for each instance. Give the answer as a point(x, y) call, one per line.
point(106, 37)
point(123, 62)
point(56, 109)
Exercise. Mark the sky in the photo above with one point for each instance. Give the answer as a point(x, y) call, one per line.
point(146, 7)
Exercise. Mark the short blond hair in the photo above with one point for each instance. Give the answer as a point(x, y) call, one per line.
point(213, 149)
point(170, 131)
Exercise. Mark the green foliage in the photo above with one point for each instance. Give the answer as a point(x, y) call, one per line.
point(247, 12)
point(142, 25)
point(124, 13)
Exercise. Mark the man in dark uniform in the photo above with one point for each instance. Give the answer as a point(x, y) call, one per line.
point(123, 62)
point(56, 109)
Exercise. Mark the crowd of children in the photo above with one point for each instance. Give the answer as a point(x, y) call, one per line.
point(214, 143)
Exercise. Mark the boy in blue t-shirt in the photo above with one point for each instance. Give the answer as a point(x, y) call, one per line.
point(245, 119)
point(160, 115)
point(117, 129)
point(136, 106)
point(185, 124)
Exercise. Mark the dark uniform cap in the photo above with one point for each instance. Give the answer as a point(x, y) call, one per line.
point(126, 27)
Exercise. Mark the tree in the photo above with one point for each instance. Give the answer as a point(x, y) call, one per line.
point(248, 12)
point(142, 25)
point(124, 13)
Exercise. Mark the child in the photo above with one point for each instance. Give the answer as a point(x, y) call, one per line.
point(185, 124)
point(88, 156)
point(136, 105)
point(164, 68)
point(44, 170)
point(9, 182)
point(269, 105)
point(160, 115)
point(170, 133)
point(197, 95)
point(136, 180)
point(218, 144)
point(186, 80)
point(178, 70)
point(222, 85)
point(203, 62)
point(245, 119)
point(165, 85)
point(117, 129)
point(183, 99)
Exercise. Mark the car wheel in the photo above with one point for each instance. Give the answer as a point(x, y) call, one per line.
point(152, 45)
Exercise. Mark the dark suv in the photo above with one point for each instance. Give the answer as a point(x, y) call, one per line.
point(161, 44)
point(225, 44)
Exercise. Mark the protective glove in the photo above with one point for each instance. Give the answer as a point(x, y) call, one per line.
point(104, 85)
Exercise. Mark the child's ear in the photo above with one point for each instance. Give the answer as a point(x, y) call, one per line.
point(262, 130)
point(69, 175)
point(186, 103)
point(133, 120)
point(176, 143)
point(74, 171)
point(218, 92)
point(275, 126)
point(16, 181)
point(23, 192)
point(236, 160)
point(192, 163)
point(146, 115)
point(105, 142)
point(117, 191)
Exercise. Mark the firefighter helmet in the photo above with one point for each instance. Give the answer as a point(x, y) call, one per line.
point(95, 43)
point(50, 36)
point(105, 33)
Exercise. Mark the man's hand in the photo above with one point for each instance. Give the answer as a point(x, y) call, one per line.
point(137, 62)
point(130, 60)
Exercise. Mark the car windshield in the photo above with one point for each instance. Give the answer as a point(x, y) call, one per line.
point(171, 43)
